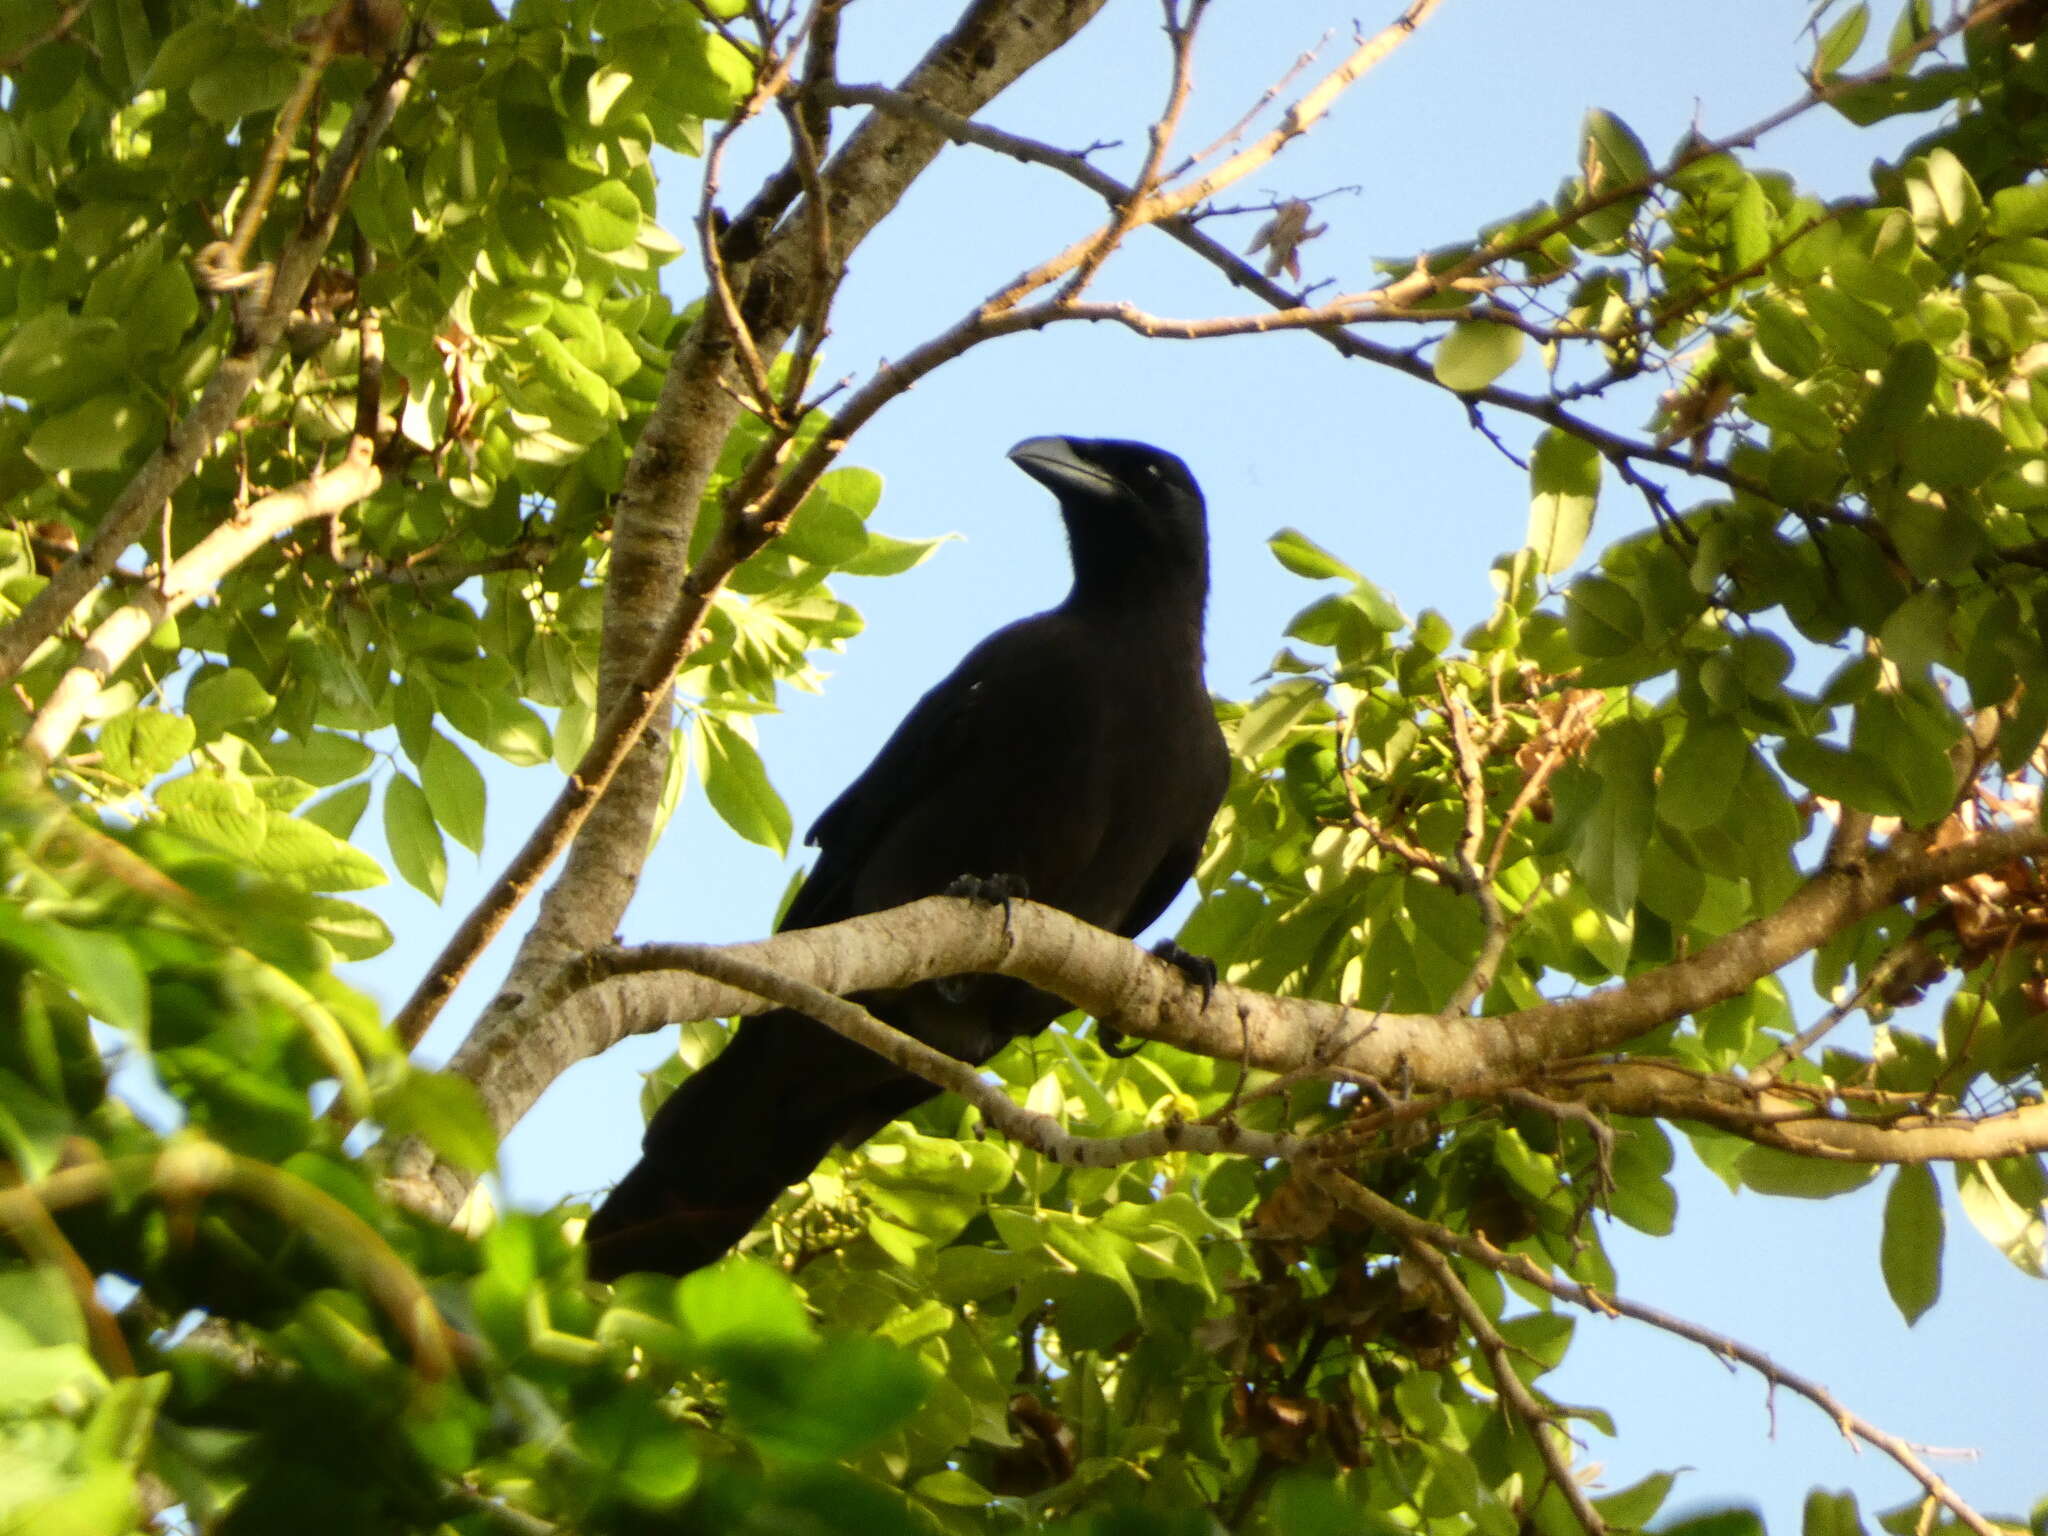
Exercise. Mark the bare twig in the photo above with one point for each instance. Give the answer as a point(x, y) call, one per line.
point(1313, 105)
point(1471, 773)
point(1897, 958)
point(1514, 1392)
point(1181, 35)
point(1390, 1218)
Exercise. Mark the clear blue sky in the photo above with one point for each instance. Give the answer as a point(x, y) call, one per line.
point(1473, 119)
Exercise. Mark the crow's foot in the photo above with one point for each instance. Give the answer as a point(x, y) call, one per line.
point(1200, 970)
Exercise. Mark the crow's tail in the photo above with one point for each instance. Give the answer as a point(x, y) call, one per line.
point(726, 1143)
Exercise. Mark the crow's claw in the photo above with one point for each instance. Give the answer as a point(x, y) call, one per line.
point(992, 891)
point(1200, 970)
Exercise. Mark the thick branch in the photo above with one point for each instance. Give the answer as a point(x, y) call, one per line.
point(191, 576)
point(609, 994)
point(1793, 1124)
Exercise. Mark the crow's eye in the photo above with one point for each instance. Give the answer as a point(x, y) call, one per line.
point(1152, 470)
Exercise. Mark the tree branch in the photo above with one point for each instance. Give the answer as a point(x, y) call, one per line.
point(221, 400)
point(191, 576)
point(1514, 1392)
point(1391, 1219)
point(590, 1005)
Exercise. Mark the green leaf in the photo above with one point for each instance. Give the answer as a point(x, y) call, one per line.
point(1831, 1514)
point(303, 853)
point(1953, 452)
point(100, 969)
point(455, 792)
point(99, 434)
point(1907, 739)
point(1564, 488)
point(339, 812)
point(853, 1391)
point(1897, 404)
point(1633, 1507)
point(415, 842)
point(2017, 1229)
point(499, 723)
point(187, 51)
point(143, 743)
point(1911, 1251)
point(1475, 353)
point(355, 933)
point(1613, 154)
point(249, 80)
point(1305, 557)
point(884, 556)
point(1787, 340)
point(827, 529)
point(1601, 617)
point(1837, 46)
point(1835, 773)
point(736, 783)
point(2021, 210)
point(221, 699)
point(1613, 811)
point(745, 1305)
point(322, 758)
point(1749, 226)
point(224, 814)
point(1860, 334)
point(1698, 779)
point(1772, 1172)
point(444, 1111)
point(608, 216)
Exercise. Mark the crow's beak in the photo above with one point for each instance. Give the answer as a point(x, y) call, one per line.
point(1055, 464)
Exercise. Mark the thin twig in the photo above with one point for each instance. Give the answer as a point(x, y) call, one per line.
point(1897, 958)
point(1398, 1223)
point(1514, 1392)
point(1297, 120)
point(59, 29)
point(256, 207)
point(1181, 35)
point(1471, 774)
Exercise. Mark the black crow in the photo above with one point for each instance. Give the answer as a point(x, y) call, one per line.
point(1073, 756)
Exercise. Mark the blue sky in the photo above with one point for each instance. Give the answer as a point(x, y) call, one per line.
point(1475, 118)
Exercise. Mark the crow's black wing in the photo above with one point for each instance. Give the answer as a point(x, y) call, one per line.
point(1006, 767)
point(937, 734)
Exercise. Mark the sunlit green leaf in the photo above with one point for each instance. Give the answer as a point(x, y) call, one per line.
point(1474, 353)
point(1913, 1231)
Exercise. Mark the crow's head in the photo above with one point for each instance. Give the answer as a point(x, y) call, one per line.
point(1134, 514)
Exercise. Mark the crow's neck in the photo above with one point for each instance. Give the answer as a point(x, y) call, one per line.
point(1122, 576)
point(1144, 599)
